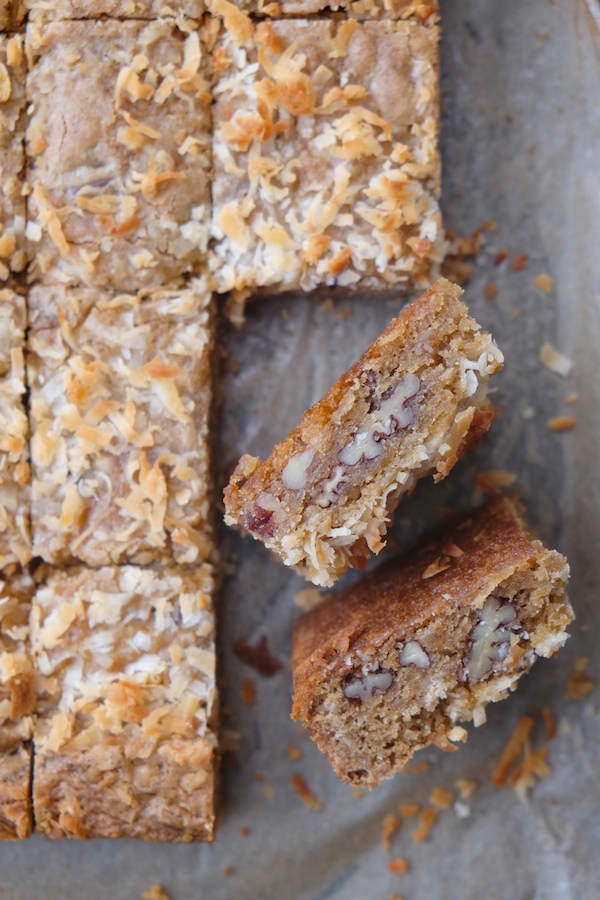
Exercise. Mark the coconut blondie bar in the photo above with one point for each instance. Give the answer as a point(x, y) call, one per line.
point(15, 538)
point(126, 745)
point(408, 408)
point(115, 9)
point(390, 665)
point(120, 198)
point(17, 704)
point(13, 257)
point(326, 165)
point(121, 395)
point(367, 9)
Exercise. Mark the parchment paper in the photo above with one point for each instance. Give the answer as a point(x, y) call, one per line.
point(521, 145)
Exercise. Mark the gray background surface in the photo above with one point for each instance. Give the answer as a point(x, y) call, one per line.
point(520, 144)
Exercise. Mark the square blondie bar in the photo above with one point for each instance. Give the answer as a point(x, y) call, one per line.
point(393, 663)
point(17, 704)
point(414, 401)
point(126, 744)
point(121, 394)
point(121, 198)
point(325, 153)
point(15, 538)
point(13, 256)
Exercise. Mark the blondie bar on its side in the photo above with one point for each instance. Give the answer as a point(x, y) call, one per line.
point(126, 740)
point(325, 152)
point(15, 539)
point(121, 394)
point(17, 704)
point(121, 198)
point(392, 664)
point(408, 408)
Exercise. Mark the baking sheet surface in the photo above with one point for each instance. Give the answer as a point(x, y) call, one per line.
point(520, 145)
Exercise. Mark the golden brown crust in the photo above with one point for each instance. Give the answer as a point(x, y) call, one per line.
point(485, 584)
point(413, 402)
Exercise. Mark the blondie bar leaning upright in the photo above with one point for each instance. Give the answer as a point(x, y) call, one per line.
point(325, 152)
point(393, 663)
point(125, 741)
point(408, 408)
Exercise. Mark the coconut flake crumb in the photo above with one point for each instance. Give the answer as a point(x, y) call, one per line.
point(441, 798)
point(391, 824)
point(512, 750)
point(554, 360)
point(579, 684)
point(562, 423)
point(398, 866)
point(155, 892)
point(544, 282)
point(304, 792)
point(428, 819)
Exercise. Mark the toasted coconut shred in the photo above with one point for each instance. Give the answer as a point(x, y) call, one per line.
point(322, 177)
point(120, 397)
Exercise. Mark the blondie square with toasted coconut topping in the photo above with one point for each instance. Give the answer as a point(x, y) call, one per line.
point(126, 744)
point(115, 9)
point(12, 155)
point(17, 704)
point(427, 13)
point(119, 198)
point(408, 408)
point(326, 156)
point(15, 539)
point(395, 662)
point(120, 405)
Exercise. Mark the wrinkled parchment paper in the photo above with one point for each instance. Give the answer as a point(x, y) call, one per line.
point(521, 145)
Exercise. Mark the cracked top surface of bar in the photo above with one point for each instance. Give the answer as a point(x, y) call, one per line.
point(119, 198)
point(126, 746)
point(120, 403)
point(17, 704)
point(52, 10)
point(426, 13)
point(391, 664)
point(409, 407)
point(15, 539)
point(12, 155)
point(326, 158)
